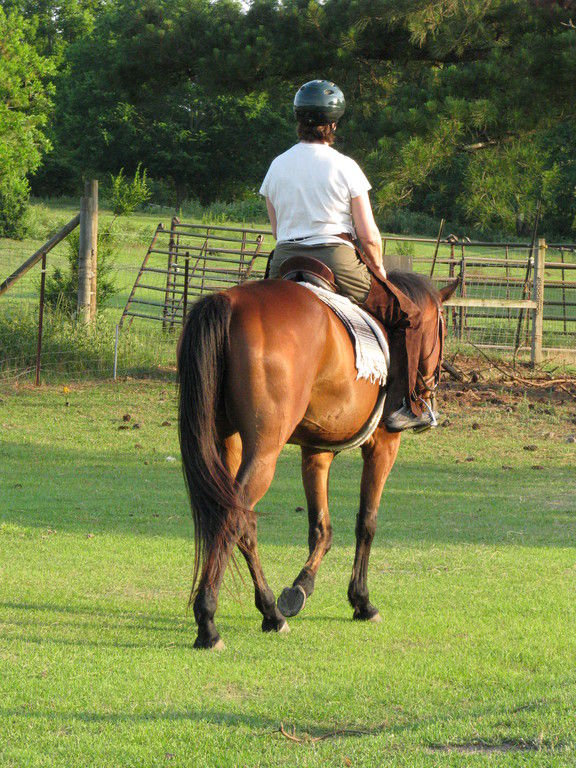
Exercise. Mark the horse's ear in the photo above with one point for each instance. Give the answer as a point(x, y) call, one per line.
point(448, 290)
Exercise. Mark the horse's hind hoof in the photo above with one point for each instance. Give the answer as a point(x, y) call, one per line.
point(279, 625)
point(291, 601)
point(372, 616)
point(209, 645)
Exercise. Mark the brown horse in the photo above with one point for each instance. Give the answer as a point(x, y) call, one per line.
point(259, 366)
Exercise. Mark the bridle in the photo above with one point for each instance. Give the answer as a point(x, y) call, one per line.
point(430, 383)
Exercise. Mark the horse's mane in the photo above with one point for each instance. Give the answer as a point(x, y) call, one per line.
point(417, 287)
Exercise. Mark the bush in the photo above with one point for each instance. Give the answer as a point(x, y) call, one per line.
point(126, 196)
point(13, 201)
point(62, 286)
point(252, 209)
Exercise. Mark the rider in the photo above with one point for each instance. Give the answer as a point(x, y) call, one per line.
point(318, 205)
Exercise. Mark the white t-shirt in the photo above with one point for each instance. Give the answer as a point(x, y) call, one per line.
point(310, 186)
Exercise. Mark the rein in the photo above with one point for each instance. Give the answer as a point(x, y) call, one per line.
point(431, 382)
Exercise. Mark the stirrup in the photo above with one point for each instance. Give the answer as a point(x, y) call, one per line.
point(431, 414)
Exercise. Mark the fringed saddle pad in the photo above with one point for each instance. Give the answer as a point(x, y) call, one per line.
point(372, 353)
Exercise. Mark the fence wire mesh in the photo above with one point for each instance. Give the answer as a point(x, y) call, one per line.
point(497, 272)
point(560, 297)
point(216, 257)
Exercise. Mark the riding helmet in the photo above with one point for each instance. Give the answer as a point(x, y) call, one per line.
point(319, 102)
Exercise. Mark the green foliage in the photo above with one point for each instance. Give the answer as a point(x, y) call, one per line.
point(249, 210)
point(127, 196)
point(24, 108)
point(62, 285)
point(502, 187)
point(13, 205)
point(442, 97)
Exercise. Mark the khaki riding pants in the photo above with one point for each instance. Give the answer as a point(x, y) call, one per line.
point(351, 275)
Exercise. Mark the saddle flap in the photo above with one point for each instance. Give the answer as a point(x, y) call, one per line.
point(309, 270)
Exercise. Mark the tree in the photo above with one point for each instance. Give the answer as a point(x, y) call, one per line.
point(25, 104)
point(445, 99)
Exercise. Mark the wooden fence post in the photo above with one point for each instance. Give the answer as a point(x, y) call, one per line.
point(85, 255)
point(538, 297)
point(94, 282)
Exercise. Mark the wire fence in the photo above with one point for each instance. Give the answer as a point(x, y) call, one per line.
point(160, 270)
point(499, 273)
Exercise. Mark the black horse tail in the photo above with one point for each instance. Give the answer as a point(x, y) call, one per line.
point(213, 491)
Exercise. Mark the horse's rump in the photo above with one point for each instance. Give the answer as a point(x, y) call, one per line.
point(289, 355)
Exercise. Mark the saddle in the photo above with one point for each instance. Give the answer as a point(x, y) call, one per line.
point(308, 270)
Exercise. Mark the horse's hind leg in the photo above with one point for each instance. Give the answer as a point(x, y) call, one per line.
point(315, 470)
point(379, 455)
point(254, 477)
point(272, 621)
point(206, 601)
point(254, 486)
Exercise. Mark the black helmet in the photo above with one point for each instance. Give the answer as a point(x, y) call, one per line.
point(319, 102)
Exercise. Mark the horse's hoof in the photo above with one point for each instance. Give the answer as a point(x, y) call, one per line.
point(273, 625)
point(291, 601)
point(375, 617)
point(209, 645)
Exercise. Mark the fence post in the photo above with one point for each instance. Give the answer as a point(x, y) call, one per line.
point(186, 278)
point(462, 316)
point(170, 276)
point(40, 319)
point(538, 297)
point(93, 194)
point(85, 259)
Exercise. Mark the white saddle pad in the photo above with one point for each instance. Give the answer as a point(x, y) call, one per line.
point(372, 352)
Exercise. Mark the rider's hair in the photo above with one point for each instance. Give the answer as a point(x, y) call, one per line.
point(312, 133)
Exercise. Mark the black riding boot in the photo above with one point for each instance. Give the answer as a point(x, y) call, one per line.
point(398, 415)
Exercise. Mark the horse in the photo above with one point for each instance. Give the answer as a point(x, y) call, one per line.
point(261, 365)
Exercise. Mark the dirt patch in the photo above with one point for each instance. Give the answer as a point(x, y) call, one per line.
point(501, 384)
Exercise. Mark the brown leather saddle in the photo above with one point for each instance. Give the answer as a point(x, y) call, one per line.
point(306, 269)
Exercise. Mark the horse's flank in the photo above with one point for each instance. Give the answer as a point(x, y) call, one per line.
point(297, 362)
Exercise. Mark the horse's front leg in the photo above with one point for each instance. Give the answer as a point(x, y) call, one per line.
point(379, 455)
point(315, 471)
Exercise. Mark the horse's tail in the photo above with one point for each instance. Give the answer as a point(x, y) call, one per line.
point(213, 491)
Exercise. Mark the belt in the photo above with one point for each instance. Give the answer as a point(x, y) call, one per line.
point(342, 235)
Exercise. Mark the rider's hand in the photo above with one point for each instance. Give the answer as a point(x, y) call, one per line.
point(379, 272)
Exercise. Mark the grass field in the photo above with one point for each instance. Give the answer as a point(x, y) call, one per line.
point(473, 570)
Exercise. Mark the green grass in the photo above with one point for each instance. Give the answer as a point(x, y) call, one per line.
point(473, 571)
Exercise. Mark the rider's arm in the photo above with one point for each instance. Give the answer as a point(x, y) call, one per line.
point(271, 216)
point(368, 234)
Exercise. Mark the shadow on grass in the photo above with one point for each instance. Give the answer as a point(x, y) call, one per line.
point(87, 626)
point(109, 492)
point(309, 733)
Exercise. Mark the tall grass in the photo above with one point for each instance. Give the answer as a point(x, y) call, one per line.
point(71, 349)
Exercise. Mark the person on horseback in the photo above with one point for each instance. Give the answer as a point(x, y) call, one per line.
point(318, 205)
